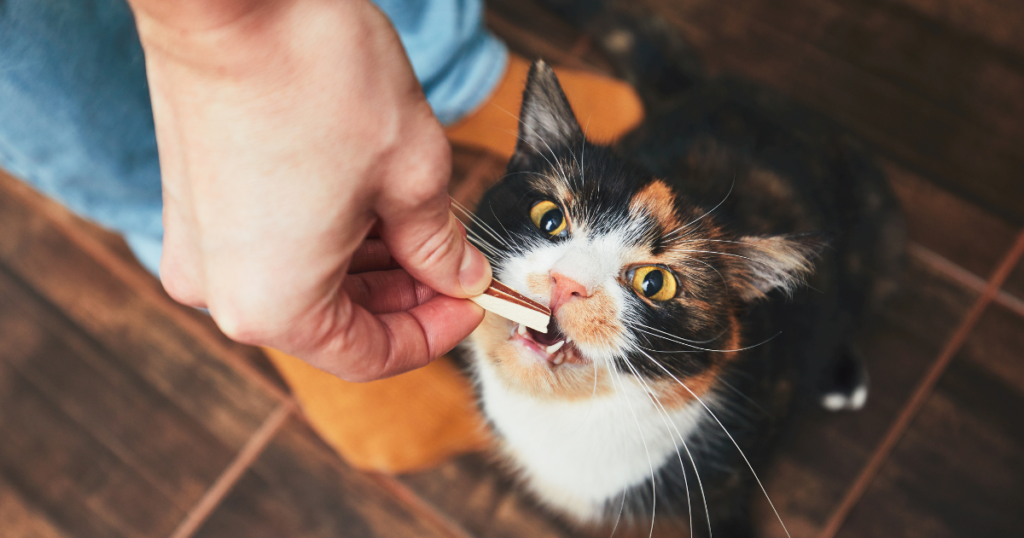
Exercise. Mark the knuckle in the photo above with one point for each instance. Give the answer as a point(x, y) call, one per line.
point(240, 328)
point(428, 188)
point(438, 248)
point(179, 287)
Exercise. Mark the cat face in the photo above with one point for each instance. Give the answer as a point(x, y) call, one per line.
point(641, 282)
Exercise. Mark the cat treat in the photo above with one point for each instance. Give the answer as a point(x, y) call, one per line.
point(512, 305)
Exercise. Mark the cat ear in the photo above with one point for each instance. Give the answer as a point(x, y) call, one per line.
point(546, 120)
point(765, 263)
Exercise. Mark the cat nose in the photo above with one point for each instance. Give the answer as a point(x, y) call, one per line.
point(565, 289)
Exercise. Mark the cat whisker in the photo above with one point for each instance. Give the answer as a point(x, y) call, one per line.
point(482, 244)
point(724, 254)
point(744, 396)
point(653, 481)
point(557, 169)
point(696, 472)
point(622, 504)
point(520, 138)
point(583, 154)
point(671, 339)
point(714, 241)
point(472, 220)
point(729, 435)
point(498, 220)
point(706, 213)
point(483, 225)
point(674, 352)
point(650, 462)
point(670, 335)
point(666, 336)
point(712, 267)
point(670, 426)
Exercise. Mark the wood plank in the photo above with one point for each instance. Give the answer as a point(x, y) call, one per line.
point(996, 22)
point(950, 226)
point(996, 346)
point(533, 31)
point(134, 327)
point(1014, 284)
point(84, 488)
point(960, 75)
point(19, 519)
point(483, 500)
point(299, 488)
point(959, 470)
point(787, 46)
point(818, 460)
point(109, 400)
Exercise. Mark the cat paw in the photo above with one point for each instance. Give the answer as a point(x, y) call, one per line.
point(845, 386)
point(840, 401)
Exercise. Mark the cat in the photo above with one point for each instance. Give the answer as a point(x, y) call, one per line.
point(701, 281)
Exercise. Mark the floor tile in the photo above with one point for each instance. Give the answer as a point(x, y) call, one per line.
point(959, 469)
point(820, 458)
point(129, 326)
point(994, 22)
point(82, 478)
point(106, 398)
point(483, 500)
point(1014, 284)
point(944, 105)
point(300, 489)
point(536, 33)
point(953, 228)
point(21, 519)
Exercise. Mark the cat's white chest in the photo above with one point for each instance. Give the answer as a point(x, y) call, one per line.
point(580, 455)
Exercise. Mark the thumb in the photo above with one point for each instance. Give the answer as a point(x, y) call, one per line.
point(430, 243)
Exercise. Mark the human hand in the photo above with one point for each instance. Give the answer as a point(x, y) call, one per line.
point(287, 130)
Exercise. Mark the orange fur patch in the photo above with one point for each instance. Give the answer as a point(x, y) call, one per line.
point(539, 284)
point(674, 396)
point(591, 321)
point(658, 201)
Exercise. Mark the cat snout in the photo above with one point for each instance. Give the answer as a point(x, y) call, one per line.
point(566, 289)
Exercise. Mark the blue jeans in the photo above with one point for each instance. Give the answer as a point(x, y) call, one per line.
point(75, 117)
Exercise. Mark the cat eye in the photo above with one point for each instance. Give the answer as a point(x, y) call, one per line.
point(655, 283)
point(548, 218)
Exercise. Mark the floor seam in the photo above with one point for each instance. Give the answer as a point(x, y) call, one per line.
point(924, 388)
point(964, 277)
point(418, 505)
point(234, 471)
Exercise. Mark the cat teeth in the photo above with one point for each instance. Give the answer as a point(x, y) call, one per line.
point(521, 330)
point(558, 359)
point(555, 347)
point(568, 339)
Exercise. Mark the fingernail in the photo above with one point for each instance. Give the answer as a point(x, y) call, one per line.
point(474, 272)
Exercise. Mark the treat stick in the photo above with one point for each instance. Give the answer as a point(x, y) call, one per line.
point(510, 304)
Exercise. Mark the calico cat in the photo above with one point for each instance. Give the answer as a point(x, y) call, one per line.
point(683, 325)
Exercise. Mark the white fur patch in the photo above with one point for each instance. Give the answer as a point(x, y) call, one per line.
point(593, 262)
point(579, 455)
point(838, 401)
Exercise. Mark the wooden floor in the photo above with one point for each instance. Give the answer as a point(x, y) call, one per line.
point(123, 414)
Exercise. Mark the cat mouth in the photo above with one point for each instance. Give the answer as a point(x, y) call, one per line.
point(555, 347)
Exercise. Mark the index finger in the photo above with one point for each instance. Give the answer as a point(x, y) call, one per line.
point(367, 347)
